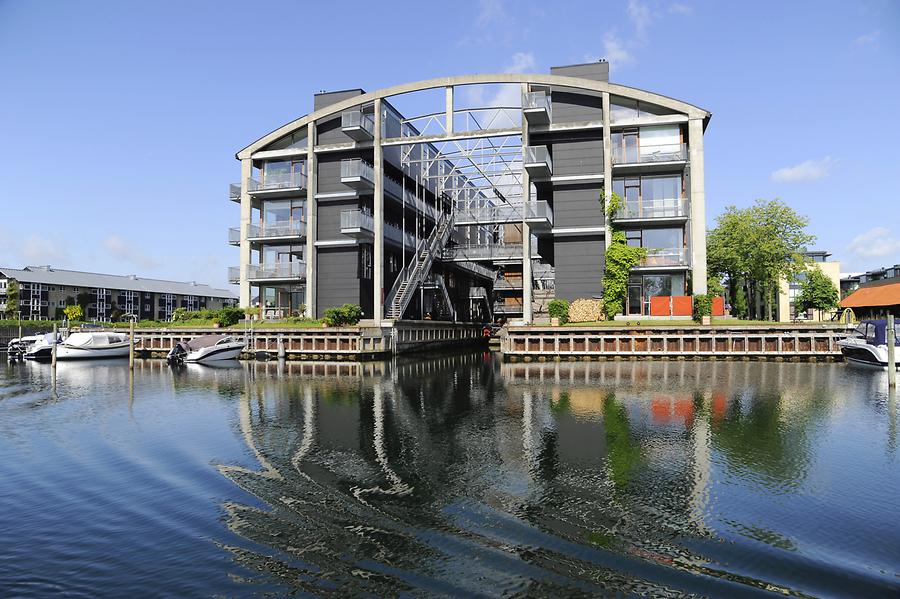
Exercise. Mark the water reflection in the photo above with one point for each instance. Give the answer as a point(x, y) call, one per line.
point(464, 475)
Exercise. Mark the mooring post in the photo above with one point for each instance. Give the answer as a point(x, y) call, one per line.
point(282, 354)
point(891, 352)
point(53, 347)
point(131, 344)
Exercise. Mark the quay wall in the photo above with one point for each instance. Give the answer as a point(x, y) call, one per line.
point(774, 342)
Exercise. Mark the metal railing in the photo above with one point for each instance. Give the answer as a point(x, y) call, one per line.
point(353, 119)
point(665, 257)
point(649, 154)
point(536, 101)
point(505, 213)
point(538, 155)
point(279, 270)
point(357, 219)
point(234, 274)
point(357, 168)
point(288, 229)
point(663, 208)
point(477, 292)
point(507, 308)
point(490, 251)
point(477, 269)
point(234, 235)
point(234, 192)
point(278, 181)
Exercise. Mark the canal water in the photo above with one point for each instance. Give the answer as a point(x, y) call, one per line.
point(454, 475)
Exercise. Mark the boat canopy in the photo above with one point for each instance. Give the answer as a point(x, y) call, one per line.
point(875, 331)
point(95, 339)
point(204, 341)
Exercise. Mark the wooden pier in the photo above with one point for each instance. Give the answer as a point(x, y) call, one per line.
point(773, 342)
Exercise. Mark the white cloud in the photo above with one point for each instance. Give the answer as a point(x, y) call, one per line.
point(40, 250)
point(868, 39)
point(641, 16)
point(617, 54)
point(875, 243)
point(680, 9)
point(491, 11)
point(522, 62)
point(811, 170)
point(120, 250)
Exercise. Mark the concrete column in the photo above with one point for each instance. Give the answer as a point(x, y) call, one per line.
point(607, 164)
point(312, 182)
point(449, 109)
point(698, 207)
point(246, 212)
point(527, 283)
point(378, 250)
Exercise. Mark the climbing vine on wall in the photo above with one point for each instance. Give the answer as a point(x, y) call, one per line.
point(620, 259)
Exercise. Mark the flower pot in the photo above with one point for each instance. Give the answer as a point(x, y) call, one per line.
point(706, 320)
point(554, 322)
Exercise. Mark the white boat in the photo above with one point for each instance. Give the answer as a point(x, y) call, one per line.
point(41, 349)
point(18, 347)
point(208, 348)
point(82, 346)
point(868, 346)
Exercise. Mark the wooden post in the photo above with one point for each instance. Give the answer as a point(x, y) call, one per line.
point(131, 344)
point(53, 347)
point(891, 353)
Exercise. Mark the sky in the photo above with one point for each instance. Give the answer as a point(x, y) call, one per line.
point(119, 121)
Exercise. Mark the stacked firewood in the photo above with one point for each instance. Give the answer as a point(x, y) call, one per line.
point(586, 310)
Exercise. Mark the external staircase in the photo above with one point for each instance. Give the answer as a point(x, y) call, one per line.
point(409, 279)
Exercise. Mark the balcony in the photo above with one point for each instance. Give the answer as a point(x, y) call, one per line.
point(663, 153)
point(234, 236)
point(477, 269)
point(234, 192)
point(277, 231)
point(537, 108)
point(538, 162)
point(278, 184)
point(537, 214)
point(511, 284)
point(234, 274)
point(674, 210)
point(280, 271)
point(357, 173)
point(361, 225)
point(477, 293)
point(358, 125)
point(504, 252)
point(512, 307)
point(665, 257)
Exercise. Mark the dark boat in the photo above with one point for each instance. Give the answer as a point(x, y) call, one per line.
point(868, 345)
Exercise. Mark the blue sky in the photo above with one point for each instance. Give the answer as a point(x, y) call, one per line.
point(119, 120)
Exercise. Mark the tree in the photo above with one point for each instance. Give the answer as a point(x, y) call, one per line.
point(12, 298)
point(817, 292)
point(73, 312)
point(758, 247)
point(620, 259)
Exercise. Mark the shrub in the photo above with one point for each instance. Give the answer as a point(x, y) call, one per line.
point(342, 316)
point(559, 308)
point(227, 317)
point(586, 310)
point(702, 306)
point(73, 312)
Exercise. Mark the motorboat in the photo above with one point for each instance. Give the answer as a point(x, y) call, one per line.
point(42, 349)
point(868, 345)
point(18, 347)
point(81, 346)
point(208, 348)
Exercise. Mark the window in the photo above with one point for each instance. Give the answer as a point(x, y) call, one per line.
point(393, 263)
point(365, 262)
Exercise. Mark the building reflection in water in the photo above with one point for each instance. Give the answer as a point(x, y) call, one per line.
point(460, 473)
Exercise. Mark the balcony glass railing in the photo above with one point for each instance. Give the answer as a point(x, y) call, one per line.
point(505, 213)
point(536, 101)
point(357, 219)
point(354, 119)
point(639, 209)
point(493, 251)
point(357, 168)
point(234, 274)
point(272, 181)
point(234, 235)
point(277, 229)
point(279, 270)
point(665, 257)
point(538, 155)
point(649, 154)
point(234, 192)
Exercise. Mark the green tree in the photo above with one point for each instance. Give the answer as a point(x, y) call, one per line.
point(620, 259)
point(760, 245)
point(12, 298)
point(817, 292)
point(739, 308)
point(74, 312)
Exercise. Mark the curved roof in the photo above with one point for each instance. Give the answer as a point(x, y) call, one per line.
point(558, 80)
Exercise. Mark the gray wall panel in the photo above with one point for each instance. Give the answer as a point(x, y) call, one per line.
point(330, 175)
point(577, 206)
point(570, 107)
point(337, 278)
point(579, 266)
point(328, 221)
point(330, 132)
point(578, 157)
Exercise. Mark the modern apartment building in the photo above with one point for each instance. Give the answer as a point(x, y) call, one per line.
point(44, 292)
point(471, 197)
point(789, 291)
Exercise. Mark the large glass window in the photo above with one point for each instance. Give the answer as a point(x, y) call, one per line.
point(661, 188)
point(663, 141)
point(282, 254)
point(281, 172)
point(662, 238)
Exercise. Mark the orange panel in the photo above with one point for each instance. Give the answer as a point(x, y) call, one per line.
point(682, 305)
point(718, 306)
point(659, 305)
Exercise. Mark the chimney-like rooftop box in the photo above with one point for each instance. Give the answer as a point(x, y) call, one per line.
point(597, 71)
